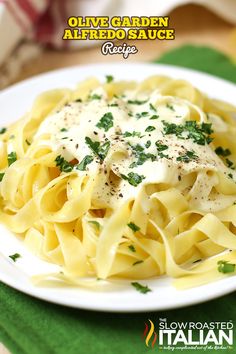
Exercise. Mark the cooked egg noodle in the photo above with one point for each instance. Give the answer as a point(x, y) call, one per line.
point(184, 212)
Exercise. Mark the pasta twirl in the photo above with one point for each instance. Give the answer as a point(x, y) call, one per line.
point(124, 179)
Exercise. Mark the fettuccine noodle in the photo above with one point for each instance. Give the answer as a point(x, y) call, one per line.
point(124, 180)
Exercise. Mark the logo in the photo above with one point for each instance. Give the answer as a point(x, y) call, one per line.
point(148, 333)
point(191, 335)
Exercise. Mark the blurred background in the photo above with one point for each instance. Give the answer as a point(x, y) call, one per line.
point(31, 32)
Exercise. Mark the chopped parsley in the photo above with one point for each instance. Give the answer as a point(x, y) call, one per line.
point(141, 288)
point(27, 142)
point(137, 148)
point(129, 134)
point(106, 122)
point(83, 164)
point(12, 157)
point(101, 150)
point(95, 97)
point(95, 223)
point(64, 130)
point(138, 102)
point(109, 78)
point(141, 156)
point(15, 256)
point(150, 128)
point(1, 176)
point(141, 115)
point(132, 248)
point(133, 227)
point(148, 144)
point(3, 130)
point(64, 165)
point(229, 163)
point(222, 152)
point(154, 116)
point(152, 107)
point(133, 178)
point(199, 133)
point(226, 267)
point(137, 262)
point(170, 107)
point(187, 157)
point(78, 100)
point(160, 147)
point(230, 175)
point(113, 105)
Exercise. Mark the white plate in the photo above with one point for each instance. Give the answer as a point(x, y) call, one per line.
point(17, 99)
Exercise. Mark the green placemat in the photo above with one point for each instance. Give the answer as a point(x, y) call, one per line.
point(32, 326)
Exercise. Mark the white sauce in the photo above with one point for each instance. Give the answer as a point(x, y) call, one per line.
point(79, 119)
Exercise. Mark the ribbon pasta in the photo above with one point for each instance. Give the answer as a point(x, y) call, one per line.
point(124, 179)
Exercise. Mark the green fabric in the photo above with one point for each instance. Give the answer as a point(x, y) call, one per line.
point(203, 59)
point(30, 326)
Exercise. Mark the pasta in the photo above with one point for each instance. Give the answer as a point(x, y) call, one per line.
point(124, 180)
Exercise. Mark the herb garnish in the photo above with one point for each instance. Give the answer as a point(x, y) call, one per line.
point(3, 130)
point(98, 149)
point(64, 130)
point(138, 102)
point(137, 262)
point(229, 163)
point(1, 176)
point(170, 107)
point(200, 133)
point(133, 227)
point(95, 97)
point(132, 248)
point(226, 267)
point(15, 256)
point(141, 288)
point(95, 223)
point(187, 157)
point(148, 144)
point(152, 107)
point(133, 178)
point(160, 147)
point(230, 175)
point(12, 157)
point(27, 142)
point(154, 117)
point(150, 128)
point(109, 78)
point(64, 165)
point(140, 155)
point(106, 122)
point(113, 105)
point(141, 115)
point(222, 152)
point(83, 164)
point(134, 133)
